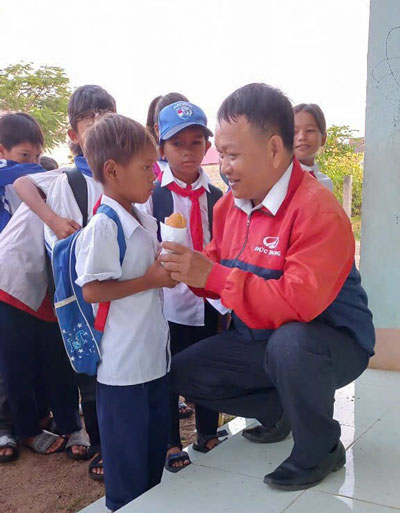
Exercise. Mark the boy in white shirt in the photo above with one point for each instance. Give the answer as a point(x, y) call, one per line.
point(132, 394)
point(30, 344)
point(62, 216)
point(183, 187)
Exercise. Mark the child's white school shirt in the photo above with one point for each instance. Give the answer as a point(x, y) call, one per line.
point(181, 305)
point(22, 254)
point(321, 177)
point(135, 343)
point(62, 201)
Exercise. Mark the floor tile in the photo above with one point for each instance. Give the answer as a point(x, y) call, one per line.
point(316, 502)
point(198, 490)
point(372, 472)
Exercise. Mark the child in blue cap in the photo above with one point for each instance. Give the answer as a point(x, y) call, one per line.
point(183, 187)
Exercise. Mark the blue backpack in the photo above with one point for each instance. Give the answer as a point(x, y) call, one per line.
point(74, 314)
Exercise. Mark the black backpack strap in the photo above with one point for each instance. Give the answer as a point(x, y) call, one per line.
point(78, 185)
point(163, 205)
point(212, 197)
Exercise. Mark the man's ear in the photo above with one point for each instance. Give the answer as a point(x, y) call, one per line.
point(73, 136)
point(110, 170)
point(2, 151)
point(208, 146)
point(276, 148)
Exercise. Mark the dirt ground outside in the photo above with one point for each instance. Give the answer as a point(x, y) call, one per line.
point(55, 483)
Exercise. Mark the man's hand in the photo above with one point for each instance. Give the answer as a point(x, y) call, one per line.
point(63, 227)
point(190, 267)
point(158, 276)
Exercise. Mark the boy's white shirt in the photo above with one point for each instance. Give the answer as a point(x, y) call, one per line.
point(22, 254)
point(321, 177)
point(135, 343)
point(181, 305)
point(62, 201)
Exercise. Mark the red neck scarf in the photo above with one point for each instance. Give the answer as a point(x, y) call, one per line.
point(196, 226)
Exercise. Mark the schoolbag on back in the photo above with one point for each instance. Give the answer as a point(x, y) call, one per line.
point(74, 314)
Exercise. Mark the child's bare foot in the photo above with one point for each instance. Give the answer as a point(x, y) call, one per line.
point(176, 459)
point(96, 470)
point(42, 443)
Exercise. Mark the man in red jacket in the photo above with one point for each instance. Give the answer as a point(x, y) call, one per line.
point(282, 259)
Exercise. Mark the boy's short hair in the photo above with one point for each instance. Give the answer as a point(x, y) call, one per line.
point(17, 128)
point(115, 137)
point(315, 111)
point(89, 98)
point(264, 107)
point(48, 163)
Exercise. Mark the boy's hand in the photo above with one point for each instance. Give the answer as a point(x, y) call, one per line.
point(190, 267)
point(63, 227)
point(159, 277)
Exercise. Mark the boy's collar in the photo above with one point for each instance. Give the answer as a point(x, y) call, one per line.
point(128, 222)
point(168, 177)
point(11, 170)
point(82, 164)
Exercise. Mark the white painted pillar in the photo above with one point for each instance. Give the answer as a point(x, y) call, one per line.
point(380, 242)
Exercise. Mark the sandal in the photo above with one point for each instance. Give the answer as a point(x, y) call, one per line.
point(179, 457)
point(43, 441)
point(9, 442)
point(185, 411)
point(201, 444)
point(96, 463)
point(81, 439)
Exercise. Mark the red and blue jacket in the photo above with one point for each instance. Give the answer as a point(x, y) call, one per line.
point(296, 265)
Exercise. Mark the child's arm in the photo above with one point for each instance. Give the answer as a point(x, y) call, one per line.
point(35, 199)
point(109, 290)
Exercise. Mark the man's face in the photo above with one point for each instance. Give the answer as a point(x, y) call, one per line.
point(245, 159)
point(23, 153)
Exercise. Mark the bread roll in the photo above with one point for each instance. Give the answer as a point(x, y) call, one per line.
point(176, 221)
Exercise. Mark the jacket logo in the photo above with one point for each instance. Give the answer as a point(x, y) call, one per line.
point(269, 248)
point(271, 242)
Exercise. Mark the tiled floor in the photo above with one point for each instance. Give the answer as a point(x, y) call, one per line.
point(229, 479)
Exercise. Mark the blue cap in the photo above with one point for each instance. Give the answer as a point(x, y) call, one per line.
point(178, 116)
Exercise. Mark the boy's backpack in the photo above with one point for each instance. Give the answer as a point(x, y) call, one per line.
point(80, 331)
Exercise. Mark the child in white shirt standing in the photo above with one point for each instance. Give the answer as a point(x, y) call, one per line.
point(309, 138)
point(132, 394)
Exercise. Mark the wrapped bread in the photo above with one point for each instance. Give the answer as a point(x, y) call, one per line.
point(174, 230)
point(176, 221)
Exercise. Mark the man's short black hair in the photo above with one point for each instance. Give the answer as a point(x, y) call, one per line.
point(89, 98)
point(17, 128)
point(265, 107)
point(48, 163)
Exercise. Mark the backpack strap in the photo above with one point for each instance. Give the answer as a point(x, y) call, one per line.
point(78, 185)
point(163, 205)
point(212, 197)
point(102, 312)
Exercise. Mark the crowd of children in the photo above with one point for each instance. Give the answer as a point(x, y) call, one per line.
point(141, 175)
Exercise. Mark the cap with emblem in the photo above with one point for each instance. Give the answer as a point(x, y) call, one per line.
point(178, 116)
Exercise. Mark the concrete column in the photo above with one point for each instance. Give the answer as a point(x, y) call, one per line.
point(380, 242)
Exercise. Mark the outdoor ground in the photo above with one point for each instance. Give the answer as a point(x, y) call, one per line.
point(54, 484)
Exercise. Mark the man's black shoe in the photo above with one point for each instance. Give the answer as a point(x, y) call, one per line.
point(263, 435)
point(289, 476)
